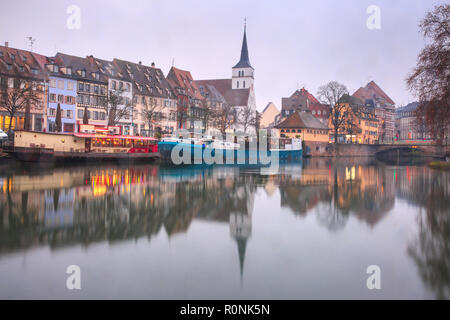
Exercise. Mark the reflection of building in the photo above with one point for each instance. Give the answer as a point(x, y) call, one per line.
point(240, 230)
point(59, 208)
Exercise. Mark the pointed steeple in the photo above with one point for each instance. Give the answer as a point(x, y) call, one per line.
point(244, 62)
point(242, 245)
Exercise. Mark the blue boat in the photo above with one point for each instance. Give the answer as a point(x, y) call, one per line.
point(206, 151)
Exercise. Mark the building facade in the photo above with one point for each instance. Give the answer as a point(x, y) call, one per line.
point(154, 104)
point(359, 123)
point(374, 97)
point(119, 107)
point(62, 92)
point(303, 100)
point(91, 89)
point(302, 124)
point(189, 99)
point(18, 68)
point(406, 125)
point(269, 116)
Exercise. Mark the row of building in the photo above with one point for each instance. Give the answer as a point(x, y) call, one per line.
point(371, 117)
point(79, 91)
point(146, 100)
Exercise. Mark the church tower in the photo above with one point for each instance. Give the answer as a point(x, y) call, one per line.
point(243, 72)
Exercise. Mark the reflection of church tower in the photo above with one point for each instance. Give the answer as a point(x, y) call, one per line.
point(240, 230)
point(241, 225)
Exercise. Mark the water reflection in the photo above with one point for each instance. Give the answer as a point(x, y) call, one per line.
point(64, 206)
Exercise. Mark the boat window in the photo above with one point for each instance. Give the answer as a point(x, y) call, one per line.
point(118, 143)
point(139, 143)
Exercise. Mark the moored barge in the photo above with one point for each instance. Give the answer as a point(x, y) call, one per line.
point(40, 146)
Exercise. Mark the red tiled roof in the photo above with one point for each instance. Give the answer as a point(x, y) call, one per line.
point(372, 85)
point(17, 59)
point(299, 98)
point(302, 119)
point(307, 94)
point(178, 78)
point(372, 91)
point(234, 97)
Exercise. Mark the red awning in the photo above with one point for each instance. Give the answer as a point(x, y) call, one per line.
point(111, 136)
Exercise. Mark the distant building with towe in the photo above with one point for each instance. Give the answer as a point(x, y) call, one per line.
point(303, 100)
point(373, 96)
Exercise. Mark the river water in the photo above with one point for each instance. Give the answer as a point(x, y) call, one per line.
point(307, 230)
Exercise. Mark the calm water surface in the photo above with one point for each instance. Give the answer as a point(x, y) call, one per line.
point(306, 231)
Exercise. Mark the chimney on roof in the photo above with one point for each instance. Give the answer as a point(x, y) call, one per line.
point(140, 62)
point(6, 44)
point(91, 58)
point(153, 64)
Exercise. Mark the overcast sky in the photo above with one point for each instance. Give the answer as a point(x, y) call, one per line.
point(291, 43)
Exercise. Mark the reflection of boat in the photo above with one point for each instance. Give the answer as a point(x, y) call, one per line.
point(176, 174)
point(38, 146)
point(212, 151)
point(288, 168)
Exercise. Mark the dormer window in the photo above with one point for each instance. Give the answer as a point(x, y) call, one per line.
point(8, 66)
point(55, 68)
point(95, 75)
point(24, 59)
point(69, 71)
point(83, 73)
point(34, 71)
point(13, 56)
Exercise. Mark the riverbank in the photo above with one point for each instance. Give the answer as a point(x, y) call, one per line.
point(325, 149)
point(439, 165)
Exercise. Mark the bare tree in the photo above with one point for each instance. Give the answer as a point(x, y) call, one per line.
point(352, 124)
point(430, 79)
point(116, 106)
point(182, 110)
point(331, 93)
point(246, 118)
point(258, 116)
point(208, 113)
point(152, 114)
point(19, 98)
point(224, 117)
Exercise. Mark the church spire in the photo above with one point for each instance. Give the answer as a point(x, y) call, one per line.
point(244, 62)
